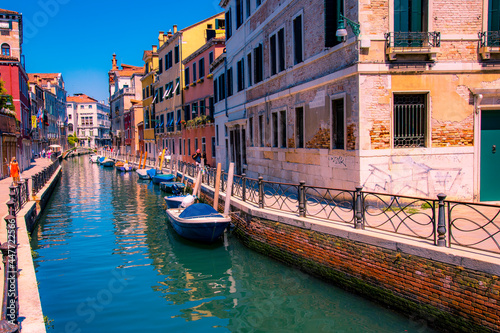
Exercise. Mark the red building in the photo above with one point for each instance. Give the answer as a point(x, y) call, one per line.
point(198, 130)
point(13, 73)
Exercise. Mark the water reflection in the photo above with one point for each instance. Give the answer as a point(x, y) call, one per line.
point(109, 261)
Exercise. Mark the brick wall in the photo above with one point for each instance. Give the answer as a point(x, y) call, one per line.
point(451, 298)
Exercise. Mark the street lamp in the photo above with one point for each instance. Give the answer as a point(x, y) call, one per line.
point(341, 28)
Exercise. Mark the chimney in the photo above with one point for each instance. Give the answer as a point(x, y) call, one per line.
point(161, 40)
point(175, 28)
point(155, 48)
point(169, 33)
point(114, 62)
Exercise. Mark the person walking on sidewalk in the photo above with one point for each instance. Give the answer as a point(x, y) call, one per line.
point(14, 170)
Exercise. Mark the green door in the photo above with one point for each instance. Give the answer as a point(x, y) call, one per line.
point(490, 155)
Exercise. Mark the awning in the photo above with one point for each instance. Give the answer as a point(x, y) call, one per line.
point(54, 146)
point(171, 122)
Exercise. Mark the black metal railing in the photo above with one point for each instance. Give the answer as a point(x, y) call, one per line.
point(413, 39)
point(489, 38)
point(19, 193)
point(441, 222)
point(40, 179)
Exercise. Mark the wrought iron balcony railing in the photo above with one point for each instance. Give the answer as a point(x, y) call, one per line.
point(489, 38)
point(413, 39)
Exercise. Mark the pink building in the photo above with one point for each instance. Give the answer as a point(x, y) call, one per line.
point(198, 129)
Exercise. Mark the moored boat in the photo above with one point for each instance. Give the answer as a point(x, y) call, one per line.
point(107, 162)
point(146, 173)
point(172, 187)
point(198, 222)
point(161, 178)
point(94, 158)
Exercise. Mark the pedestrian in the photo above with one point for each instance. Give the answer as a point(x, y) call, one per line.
point(49, 153)
point(197, 157)
point(14, 170)
point(43, 153)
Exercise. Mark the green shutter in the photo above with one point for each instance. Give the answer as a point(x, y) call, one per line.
point(416, 16)
point(494, 15)
point(401, 22)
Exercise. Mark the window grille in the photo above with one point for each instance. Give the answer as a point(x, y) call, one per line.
point(410, 118)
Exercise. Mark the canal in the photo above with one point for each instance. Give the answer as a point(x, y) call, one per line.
point(107, 260)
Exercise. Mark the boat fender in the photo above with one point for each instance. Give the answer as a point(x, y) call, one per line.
point(187, 201)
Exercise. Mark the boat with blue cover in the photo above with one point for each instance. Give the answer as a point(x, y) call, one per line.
point(107, 162)
point(146, 173)
point(198, 222)
point(161, 178)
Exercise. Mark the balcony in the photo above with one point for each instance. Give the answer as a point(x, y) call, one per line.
point(413, 45)
point(489, 44)
point(121, 92)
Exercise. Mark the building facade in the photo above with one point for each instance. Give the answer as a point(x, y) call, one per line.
point(150, 58)
point(124, 86)
point(88, 120)
point(15, 78)
point(199, 129)
point(173, 79)
point(395, 99)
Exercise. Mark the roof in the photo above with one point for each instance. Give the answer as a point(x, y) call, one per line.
point(5, 11)
point(43, 76)
point(80, 98)
point(128, 70)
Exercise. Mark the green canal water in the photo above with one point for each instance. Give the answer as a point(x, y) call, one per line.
point(109, 261)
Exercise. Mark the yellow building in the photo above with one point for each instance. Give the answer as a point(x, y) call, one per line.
point(150, 59)
point(173, 48)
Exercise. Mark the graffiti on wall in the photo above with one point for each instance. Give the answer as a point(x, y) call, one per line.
point(405, 176)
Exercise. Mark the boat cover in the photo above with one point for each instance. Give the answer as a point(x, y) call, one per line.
point(199, 210)
point(151, 172)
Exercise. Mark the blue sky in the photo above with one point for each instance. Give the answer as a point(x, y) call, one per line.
point(78, 37)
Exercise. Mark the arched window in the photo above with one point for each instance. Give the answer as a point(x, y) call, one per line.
point(5, 49)
point(70, 127)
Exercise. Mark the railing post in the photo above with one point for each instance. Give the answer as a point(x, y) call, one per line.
point(243, 186)
point(261, 192)
point(13, 200)
point(302, 197)
point(358, 208)
point(222, 181)
point(441, 228)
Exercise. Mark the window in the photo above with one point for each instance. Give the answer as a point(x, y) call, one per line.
point(203, 145)
point(213, 147)
point(202, 107)
point(250, 131)
point(272, 51)
point(69, 116)
point(195, 144)
point(216, 90)
point(333, 9)
point(248, 8)
point(220, 24)
point(82, 106)
point(184, 145)
point(194, 111)
point(5, 49)
point(217, 133)
point(170, 59)
point(161, 93)
point(229, 30)
point(176, 53)
point(258, 64)
point(90, 106)
point(299, 127)
point(211, 108)
point(194, 72)
point(261, 130)
point(410, 119)
point(258, 2)
point(409, 15)
point(180, 147)
point(160, 66)
point(189, 146)
point(222, 87)
point(240, 75)
point(186, 76)
point(249, 69)
point(239, 13)
point(297, 40)
point(338, 124)
point(282, 129)
point(281, 50)
point(187, 113)
point(177, 86)
point(230, 82)
point(211, 57)
point(201, 68)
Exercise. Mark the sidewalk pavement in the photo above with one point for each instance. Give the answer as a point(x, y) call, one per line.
point(30, 309)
